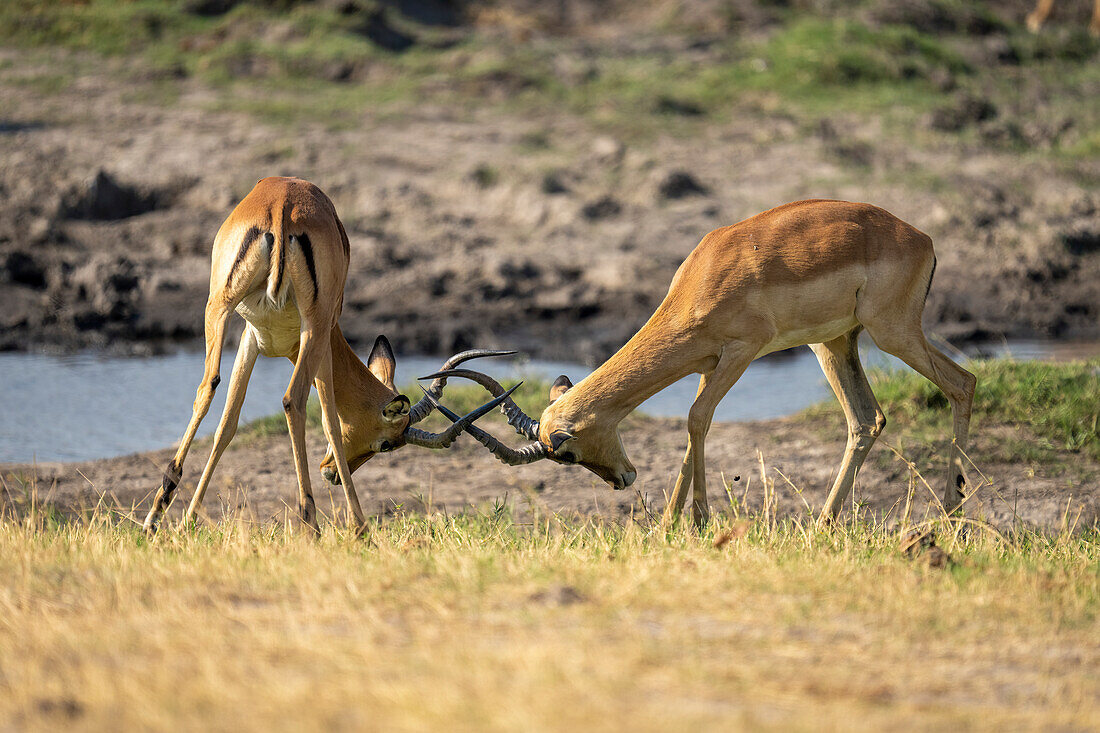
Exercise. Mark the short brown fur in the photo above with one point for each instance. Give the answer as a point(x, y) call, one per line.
point(286, 316)
point(812, 272)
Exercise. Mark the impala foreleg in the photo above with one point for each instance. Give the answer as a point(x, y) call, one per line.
point(735, 358)
point(840, 361)
point(217, 316)
point(678, 499)
point(227, 428)
point(331, 422)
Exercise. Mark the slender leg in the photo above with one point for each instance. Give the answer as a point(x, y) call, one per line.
point(217, 316)
point(227, 428)
point(683, 480)
point(735, 358)
point(839, 360)
point(310, 352)
point(1094, 26)
point(1039, 15)
point(955, 382)
point(331, 422)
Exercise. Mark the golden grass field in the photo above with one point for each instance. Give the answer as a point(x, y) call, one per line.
point(474, 622)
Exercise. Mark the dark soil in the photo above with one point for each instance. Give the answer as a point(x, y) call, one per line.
point(463, 233)
point(256, 475)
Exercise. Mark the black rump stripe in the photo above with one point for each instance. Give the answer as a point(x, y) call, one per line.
point(307, 251)
point(250, 237)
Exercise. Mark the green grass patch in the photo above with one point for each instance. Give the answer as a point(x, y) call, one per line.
point(1054, 406)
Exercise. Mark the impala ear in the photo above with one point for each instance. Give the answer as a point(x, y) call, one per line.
point(559, 438)
point(560, 386)
point(381, 361)
point(396, 409)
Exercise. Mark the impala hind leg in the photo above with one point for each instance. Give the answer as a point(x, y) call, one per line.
point(217, 316)
point(954, 381)
point(227, 428)
point(1037, 17)
point(331, 422)
point(311, 352)
point(839, 360)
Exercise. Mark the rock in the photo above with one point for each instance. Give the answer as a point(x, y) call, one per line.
point(680, 184)
point(552, 183)
point(963, 111)
point(1082, 239)
point(105, 199)
point(23, 269)
point(672, 106)
point(604, 207)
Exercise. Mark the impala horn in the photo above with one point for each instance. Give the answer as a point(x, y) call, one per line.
point(512, 456)
point(517, 418)
point(416, 436)
point(423, 408)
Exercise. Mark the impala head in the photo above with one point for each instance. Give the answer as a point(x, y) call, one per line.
point(571, 436)
point(566, 433)
point(374, 418)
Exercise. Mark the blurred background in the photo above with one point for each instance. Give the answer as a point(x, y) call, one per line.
point(530, 174)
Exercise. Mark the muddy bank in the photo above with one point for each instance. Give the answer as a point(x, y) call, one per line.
point(256, 478)
point(526, 231)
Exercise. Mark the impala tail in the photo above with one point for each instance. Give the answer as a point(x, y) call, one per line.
point(276, 274)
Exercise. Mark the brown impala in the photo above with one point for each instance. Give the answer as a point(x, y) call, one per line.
point(280, 261)
point(810, 272)
point(1043, 8)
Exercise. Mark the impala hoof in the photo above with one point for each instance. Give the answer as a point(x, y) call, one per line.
point(331, 475)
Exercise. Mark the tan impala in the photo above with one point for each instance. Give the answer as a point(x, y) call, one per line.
point(280, 260)
point(810, 272)
point(1043, 8)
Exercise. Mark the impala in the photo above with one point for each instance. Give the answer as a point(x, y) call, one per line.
point(1039, 15)
point(811, 272)
point(280, 260)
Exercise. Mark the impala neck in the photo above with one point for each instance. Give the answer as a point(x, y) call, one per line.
point(353, 381)
point(655, 357)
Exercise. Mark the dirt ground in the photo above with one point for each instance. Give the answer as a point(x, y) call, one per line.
point(485, 228)
point(256, 476)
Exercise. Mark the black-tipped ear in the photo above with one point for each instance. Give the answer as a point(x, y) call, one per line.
point(557, 438)
point(560, 386)
point(381, 361)
point(396, 409)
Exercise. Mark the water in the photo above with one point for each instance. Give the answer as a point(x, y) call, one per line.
point(80, 407)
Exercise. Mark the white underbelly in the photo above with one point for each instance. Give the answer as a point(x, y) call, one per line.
point(277, 330)
point(816, 334)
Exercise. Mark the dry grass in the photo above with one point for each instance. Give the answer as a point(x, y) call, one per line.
point(475, 622)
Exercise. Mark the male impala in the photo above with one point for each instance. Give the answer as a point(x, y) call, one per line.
point(280, 260)
point(810, 272)
point(1039, 15)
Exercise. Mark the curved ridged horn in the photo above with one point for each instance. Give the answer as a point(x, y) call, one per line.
point(423, 408)
point(526, 426)
point(416, 436)
point(512, 456)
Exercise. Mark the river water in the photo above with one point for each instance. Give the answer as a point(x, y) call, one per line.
point(84, 406)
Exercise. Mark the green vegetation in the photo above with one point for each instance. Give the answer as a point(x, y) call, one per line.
point(292, 61)
point(1023, 411)
point(473, 619)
